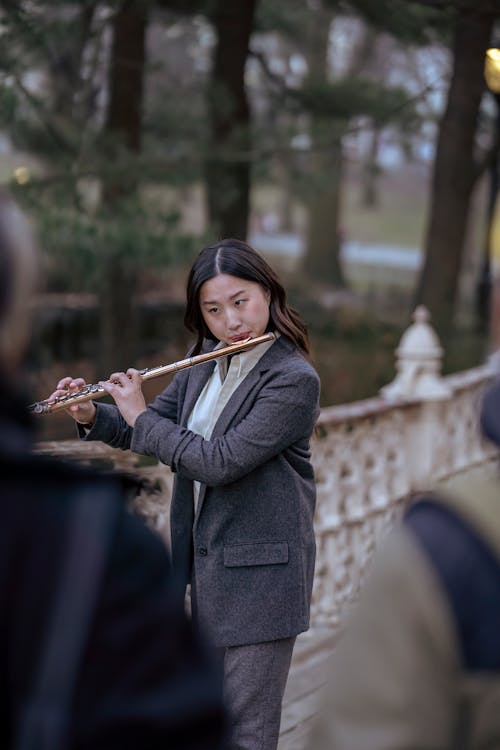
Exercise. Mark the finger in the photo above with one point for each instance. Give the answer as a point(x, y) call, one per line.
point(108, 386)
point(116, 377)
point(64, 383)
point(77, 383)
point(69, 383)
point(122, 382)
point(134, 375)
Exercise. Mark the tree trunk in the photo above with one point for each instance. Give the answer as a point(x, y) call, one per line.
point(117, 317)
point(228, 167)
point(454, 170)
point(370, 173)
point(124, 116)
point(118, 340)
point(322, 256)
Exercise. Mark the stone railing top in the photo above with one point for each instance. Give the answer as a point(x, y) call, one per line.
point(468, 378)
point(369, 407)
point(96, 453)
point(376, 406)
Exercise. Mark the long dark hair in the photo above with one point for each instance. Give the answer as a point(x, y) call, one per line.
point(236, 258)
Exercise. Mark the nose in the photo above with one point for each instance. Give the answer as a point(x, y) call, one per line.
point(233, 319)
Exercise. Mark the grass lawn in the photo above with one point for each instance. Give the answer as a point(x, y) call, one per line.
point(399, 218)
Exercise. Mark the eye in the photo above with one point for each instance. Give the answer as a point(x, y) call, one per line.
point(213, 310)
point(238, 302)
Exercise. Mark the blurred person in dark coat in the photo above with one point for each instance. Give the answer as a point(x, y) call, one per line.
point(141, 677)
point(418, 664)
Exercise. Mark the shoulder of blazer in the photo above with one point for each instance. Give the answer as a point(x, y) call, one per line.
point(283, 353)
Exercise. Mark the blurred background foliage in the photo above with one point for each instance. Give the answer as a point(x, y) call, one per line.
point(136, 132)
point(77, 244)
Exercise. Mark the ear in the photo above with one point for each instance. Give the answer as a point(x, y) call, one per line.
point(267, 294)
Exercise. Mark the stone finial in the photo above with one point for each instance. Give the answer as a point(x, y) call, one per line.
point(418, 363)
point(419, 341)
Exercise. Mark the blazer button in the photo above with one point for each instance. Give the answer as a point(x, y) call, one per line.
point(202, 551)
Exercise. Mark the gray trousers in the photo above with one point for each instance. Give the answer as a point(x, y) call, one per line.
point(254, 682)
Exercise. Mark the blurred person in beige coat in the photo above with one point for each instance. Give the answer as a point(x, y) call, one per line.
point(417, 666)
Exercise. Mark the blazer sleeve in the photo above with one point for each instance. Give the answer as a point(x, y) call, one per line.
point(111, 428)
point(285, 411)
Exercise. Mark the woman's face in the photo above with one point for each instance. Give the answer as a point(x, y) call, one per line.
point(234, 309)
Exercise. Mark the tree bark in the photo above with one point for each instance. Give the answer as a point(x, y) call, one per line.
point(228, 167)
point(123, 125)
point(454, 170)
point(322, 256)
point(118, 329)
point(370, 173)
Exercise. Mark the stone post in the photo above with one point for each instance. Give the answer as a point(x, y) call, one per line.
point(420, 387)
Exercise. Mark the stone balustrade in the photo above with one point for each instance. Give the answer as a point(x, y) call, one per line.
point(369, 458)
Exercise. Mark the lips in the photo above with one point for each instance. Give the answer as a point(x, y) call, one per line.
point(240, 337)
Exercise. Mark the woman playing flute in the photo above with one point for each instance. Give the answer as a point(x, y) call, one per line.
point(236, 434)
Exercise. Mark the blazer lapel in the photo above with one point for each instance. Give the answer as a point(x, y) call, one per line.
point(280, 349)
point(274, 354)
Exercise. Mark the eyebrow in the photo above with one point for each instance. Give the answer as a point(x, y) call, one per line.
point(214, 301)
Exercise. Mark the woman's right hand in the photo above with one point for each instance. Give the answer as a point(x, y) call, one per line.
point(84, 412)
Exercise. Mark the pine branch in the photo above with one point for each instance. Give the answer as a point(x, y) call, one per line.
point(40, 111)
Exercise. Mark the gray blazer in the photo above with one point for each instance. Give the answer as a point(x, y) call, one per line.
point(250, 550)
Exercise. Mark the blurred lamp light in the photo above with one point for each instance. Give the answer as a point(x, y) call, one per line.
point(22, 175)
point(492, 69)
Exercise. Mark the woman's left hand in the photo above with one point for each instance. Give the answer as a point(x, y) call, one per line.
point(125, 389)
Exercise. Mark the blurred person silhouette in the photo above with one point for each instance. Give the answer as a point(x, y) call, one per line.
point(96, 651)
point(417, 666)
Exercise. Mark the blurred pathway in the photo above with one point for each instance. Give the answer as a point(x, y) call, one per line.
point(303, 691)
point(358, 253)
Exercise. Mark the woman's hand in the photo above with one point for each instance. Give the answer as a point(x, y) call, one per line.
point(125, 389)
point(84, 412)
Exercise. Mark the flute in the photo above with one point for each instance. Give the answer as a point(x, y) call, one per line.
point(94, 390)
